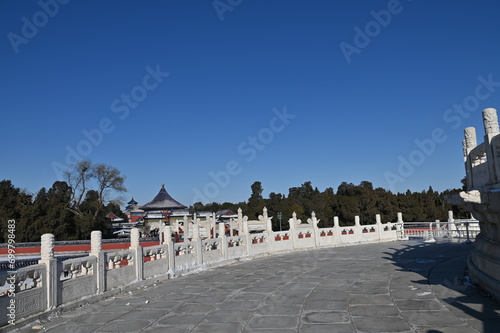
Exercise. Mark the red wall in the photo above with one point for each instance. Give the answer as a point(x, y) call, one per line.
point(75, 248)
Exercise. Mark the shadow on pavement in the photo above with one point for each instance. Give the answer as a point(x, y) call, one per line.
point(443, 267)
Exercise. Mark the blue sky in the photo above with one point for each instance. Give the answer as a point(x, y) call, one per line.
point(210, 96)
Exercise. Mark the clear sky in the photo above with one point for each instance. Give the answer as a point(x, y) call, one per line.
point(210, 96)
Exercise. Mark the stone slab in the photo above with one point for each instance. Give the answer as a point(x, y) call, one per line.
point(362, 288)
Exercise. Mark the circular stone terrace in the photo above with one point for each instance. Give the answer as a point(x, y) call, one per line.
point(408, 286)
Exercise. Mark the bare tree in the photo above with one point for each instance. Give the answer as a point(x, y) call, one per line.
point(108, 179)
point(84, 177)
point(78, 178)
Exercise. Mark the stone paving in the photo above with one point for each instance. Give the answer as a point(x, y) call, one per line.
point(408, 286)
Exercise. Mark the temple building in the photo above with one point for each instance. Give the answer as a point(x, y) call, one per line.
point(159, 210)
point(134, 213)
point(120, 227)
point(225, 215)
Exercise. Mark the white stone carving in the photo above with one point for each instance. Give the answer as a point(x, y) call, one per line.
point(95, 242)
point(490, 120)
point(47, 247)
point(134, 237)
point(470, 137)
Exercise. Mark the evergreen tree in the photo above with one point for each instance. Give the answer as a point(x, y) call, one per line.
point(49, 214)
point(256, 201)
point(61, 211)
point(14, 204)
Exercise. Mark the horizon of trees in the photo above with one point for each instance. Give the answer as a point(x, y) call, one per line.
point(70, 209)
point(73, 208)
point(348, 201)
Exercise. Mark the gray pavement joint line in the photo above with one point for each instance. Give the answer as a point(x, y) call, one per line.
point(188, 299)
point(132, 308)
point(358, 279)
point(125, 313)
point(309, 294)
point(269, 295)
point(208, 314)
point(104, 324)
point(439, 298)
point(215, 308)
point(282, 287)
point(427, 277)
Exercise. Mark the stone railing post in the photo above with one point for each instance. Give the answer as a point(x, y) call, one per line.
point(231, 228)
point(358, 231)
point(167, 235)
point(186, 228)
point(336, 230)
point(196, 241)
point(469, 143)
point(137, 250)
point(451, 224)
point(438, 232)
point(400, 227)
point(293, 231)
point(491, 129)
point(176, 227)
point(167, 240)
point(315, 233)
point(209, 224)
point(196, 232)
point(240, 222)
point(269, 225)
point(212, 222)
point(160, 231)
point(96, 251)
point(269, 230)
point(248, 241)
point(51, 278)
point(223, 239)
point(378, 222)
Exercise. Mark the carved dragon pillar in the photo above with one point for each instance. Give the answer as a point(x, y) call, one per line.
point(482, 199)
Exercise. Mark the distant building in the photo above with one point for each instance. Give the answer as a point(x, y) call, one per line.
point(134, 213)
point(164, 209)
point(114, 218)
point(159, 210)
point(119, 227)
point(225, 215)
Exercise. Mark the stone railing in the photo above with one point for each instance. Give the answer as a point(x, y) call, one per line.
point(42, 287)
point(80, 242)
point(464, 229)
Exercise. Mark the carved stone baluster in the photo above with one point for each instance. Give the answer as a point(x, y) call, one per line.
point(74, 271)
point(51, 273)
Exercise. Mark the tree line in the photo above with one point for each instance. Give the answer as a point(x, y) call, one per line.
point(70, 209)
point(73, 208)
point(348, 201)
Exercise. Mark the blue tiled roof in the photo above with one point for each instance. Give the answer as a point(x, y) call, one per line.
point(163, 200)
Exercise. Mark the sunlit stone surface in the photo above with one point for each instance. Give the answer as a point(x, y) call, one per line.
point(482, 199)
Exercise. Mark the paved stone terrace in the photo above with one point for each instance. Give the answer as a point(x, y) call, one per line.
point(406, 286)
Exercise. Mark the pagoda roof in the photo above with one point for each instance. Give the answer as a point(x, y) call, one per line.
point(132, 202)
point(163, 200)
point(224, 212)
point(111, 215)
